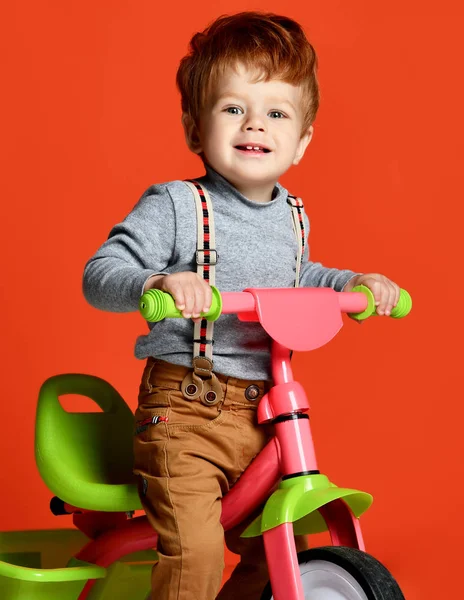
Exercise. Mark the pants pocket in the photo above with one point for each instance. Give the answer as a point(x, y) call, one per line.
point(150, 422)
point(150, 440)
point(191, 415)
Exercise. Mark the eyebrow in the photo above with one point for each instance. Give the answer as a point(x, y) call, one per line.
point(240, 97)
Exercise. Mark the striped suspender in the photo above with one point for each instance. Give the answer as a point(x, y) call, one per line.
point(206, 255)
point(206, 258)
point(299, 229)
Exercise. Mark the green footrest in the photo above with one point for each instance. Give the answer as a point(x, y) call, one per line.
point(24, 583)
point(31, 568)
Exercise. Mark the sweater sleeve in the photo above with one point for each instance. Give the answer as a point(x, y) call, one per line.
point(316, 275)
point(140, 246)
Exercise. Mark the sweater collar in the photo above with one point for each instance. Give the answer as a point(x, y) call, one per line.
point(218, 186)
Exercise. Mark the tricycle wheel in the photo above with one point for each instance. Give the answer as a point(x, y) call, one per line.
point(338, 573)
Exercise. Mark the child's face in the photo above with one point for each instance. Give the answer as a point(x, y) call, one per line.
point(266, 114)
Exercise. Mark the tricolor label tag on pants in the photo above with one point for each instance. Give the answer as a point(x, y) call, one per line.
point(143, 425)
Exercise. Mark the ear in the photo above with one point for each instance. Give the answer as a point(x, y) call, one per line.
point(192, 136)
point(303, 144)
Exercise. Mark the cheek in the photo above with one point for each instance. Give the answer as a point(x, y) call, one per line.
point(288, 142)
point(214, 135)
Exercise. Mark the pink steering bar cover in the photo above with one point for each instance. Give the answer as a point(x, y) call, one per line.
point(280, 312)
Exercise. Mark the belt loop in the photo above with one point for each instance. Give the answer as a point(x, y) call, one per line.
point(146, 375)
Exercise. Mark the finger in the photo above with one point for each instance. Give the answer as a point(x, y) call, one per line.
point(384, 296)
point(376, 288)
point(189, 295)
point(374, 285)
point(208, 298)
point(397, 294)
point(199, 299)
point(177, 293)
point(391, 298)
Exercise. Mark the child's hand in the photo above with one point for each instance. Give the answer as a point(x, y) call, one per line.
point(386, 292)
point(191, 293)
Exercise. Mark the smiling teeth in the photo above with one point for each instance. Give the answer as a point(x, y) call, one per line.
point(252, 147)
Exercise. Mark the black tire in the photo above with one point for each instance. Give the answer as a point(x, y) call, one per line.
point(374, 579)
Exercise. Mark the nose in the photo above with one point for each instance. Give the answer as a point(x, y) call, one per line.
point(254, 122)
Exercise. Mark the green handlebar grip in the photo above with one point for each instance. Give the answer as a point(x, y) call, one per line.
point(399, 311)
point(156, 305)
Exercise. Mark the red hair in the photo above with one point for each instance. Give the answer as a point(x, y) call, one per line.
point(273, 46)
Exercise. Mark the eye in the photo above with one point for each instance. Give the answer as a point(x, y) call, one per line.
point(277, 114)
point(234, 110)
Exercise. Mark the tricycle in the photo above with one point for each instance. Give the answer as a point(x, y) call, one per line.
point(85, 459)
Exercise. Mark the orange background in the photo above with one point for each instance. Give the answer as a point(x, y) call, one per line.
point(92, 118)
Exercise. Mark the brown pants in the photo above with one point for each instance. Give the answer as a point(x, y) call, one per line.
point(186, 464)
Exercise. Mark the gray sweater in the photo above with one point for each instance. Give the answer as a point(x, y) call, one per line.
point(256, 247)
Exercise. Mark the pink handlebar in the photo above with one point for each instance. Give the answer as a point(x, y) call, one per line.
point(244, 302)
point(298, 318)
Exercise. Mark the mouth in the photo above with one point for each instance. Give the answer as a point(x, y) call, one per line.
point(253, 148)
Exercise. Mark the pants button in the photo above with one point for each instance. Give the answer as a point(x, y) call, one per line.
point(252, 392)
point(211, 397)
point(191, 389)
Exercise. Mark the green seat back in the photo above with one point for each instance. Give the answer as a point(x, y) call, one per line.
point(86, 458)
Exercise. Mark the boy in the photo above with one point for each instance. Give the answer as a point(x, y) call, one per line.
point(249, 98)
